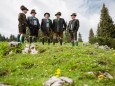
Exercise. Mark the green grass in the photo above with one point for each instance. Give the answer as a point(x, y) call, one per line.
point(74, 62)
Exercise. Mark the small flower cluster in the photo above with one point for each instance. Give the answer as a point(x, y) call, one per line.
point(114, 54)
point(58, 73)
point(100, 77)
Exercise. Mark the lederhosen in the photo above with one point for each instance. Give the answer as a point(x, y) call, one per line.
point(22, 23)
point(34, 26)
point(46, 26)
point(73, 28)
point(57, 29)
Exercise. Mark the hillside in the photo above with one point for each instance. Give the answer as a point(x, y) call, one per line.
point(75, 62)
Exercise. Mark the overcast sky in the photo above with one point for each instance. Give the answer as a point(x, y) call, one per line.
point(88, 12)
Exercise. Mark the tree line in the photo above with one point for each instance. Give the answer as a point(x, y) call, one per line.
point(14, 38)
point(7, 39)
point(105, 31)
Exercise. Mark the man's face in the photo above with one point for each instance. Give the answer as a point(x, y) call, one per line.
point(46, 16)
point(25, 11)
point(33, 14)
point(58, 16)
point(73, 17)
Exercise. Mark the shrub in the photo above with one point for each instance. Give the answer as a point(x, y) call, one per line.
point(106, 41)
point(93, 40)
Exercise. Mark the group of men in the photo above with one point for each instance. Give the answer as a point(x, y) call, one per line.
point(57, 27)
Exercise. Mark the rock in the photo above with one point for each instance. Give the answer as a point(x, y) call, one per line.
point(34, 51)
point(86, 44)
point(57, 84)
point(27, 46)
point(14, 44)
point(67, 80)
point(2, 84)
point(101, 47)
point(96, 45)
point(51, 81)
point(104, 47)
point(90, 73)
point(32, 46)
point(98, 73)
point(26, 50)
point(109, 76)
point(62, 81)
point(85, 85)
point(30, 49)
point(11, 52)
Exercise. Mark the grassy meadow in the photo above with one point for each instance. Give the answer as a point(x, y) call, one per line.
point(18, 69)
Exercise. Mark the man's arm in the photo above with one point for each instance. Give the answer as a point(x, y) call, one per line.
point(64, 24)
point(53, 25)
point(20, 19)
point(42, 25)
point(77, 27)
point(68, 26)
point(28, 22)
point(38, 24)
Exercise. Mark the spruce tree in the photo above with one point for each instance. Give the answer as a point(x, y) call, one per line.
point(91, 36)
point(80, 37)
point(98, 31)
point(12, 38)
point(106, 26)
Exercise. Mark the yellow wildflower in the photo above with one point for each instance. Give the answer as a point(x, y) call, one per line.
point(114, 54)
point(100, 77)
point(57, 72)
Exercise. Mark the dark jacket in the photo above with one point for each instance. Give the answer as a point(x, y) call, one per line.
point(61, 23)
point(30, 22)
point(22, 22)
point(73, 25)
point(44, 22)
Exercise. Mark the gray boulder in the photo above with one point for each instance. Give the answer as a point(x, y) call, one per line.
point(85, 44)
point(61, 81)
point(31, 49)
point(2, 84)
point(104, 47)
point(14, 44)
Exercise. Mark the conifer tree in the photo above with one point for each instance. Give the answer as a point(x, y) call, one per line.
point(80, 37)
point(106, 27)
point(91, 36)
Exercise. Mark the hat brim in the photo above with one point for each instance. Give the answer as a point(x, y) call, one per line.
point(73, 15)
point(57, 14)
point(26, 9)
point(47, 14)
point(33, 12)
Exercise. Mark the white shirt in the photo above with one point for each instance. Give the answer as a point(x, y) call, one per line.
point(34, 21)
point(47, 23)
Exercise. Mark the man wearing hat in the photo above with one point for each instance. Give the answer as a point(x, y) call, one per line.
point(34, 26)
point(22, 24)
point(59, 26)
point(73, 27)
point(46, 25)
